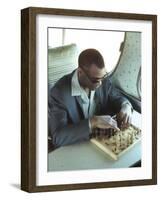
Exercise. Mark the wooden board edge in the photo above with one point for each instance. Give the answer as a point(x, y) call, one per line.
point(104, 148)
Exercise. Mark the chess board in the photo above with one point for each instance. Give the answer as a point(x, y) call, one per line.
point(118, 143)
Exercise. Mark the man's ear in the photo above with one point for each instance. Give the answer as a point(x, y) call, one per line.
point(79, 70)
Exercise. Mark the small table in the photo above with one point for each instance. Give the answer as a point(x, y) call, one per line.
point(85, 155)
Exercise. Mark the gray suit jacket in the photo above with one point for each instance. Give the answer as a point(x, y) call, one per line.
point(66, 121)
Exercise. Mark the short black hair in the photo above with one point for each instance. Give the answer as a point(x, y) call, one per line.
point(89, 57)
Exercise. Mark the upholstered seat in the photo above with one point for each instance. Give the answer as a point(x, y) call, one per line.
point(61, 61)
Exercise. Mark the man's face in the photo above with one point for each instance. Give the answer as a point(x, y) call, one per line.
point(91, 77)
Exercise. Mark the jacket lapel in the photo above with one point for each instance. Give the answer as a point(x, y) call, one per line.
point(75, 105)
point(80, 103)
point(98, 100)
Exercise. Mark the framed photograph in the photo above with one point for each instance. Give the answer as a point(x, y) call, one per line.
point(64, 145)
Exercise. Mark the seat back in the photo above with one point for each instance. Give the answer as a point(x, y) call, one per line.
point(61, 61)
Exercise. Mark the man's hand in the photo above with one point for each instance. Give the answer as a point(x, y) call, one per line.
point(124, 117)
point(103, 122)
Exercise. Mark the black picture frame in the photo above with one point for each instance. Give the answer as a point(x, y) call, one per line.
point(28, 98)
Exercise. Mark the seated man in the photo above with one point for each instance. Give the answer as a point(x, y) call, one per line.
point(84, 100)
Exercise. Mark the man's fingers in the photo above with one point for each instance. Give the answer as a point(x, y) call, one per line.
point(115, 127)
point(114, 124)
point(129, 120)
point(120, 118)
point(125, 121)
point(107, 122)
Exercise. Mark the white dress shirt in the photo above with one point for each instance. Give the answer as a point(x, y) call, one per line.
point(88, 103)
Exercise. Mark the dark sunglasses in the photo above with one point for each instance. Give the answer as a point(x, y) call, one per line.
point(95, 80)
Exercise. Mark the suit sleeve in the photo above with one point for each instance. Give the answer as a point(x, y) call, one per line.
point(61, 130)
point(117, 99)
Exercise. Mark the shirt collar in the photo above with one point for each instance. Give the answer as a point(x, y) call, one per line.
point(77, 90)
